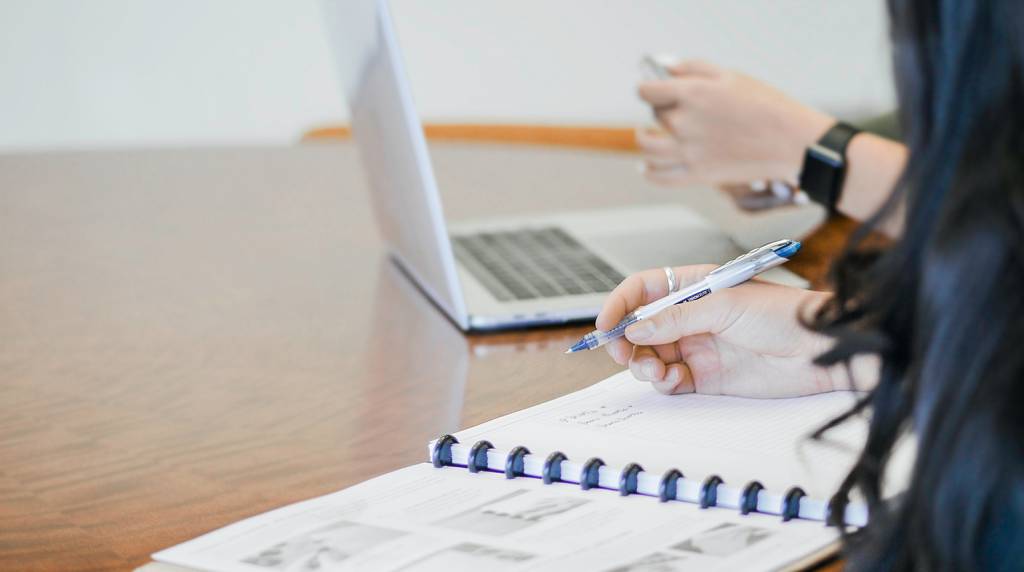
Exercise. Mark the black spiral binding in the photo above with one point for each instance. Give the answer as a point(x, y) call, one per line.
point(478, 456)
point(667, 486)
point(552, 472)
point(442, 454)
point(791, 503)
point(748, 500)
point(514, 462)
point(627, 480)
point(709, 491)
point(590, 475)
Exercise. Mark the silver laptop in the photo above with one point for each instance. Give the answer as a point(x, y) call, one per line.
point(495, 274)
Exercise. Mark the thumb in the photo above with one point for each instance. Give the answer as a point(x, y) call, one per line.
point(708, 315)
point(695, 68)
point(658, 93)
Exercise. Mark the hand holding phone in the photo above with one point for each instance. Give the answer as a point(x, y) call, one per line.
point(757, 195)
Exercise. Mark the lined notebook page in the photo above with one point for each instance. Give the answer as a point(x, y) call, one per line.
point(622, 420)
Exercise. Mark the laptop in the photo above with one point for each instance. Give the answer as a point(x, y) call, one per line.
point(492, 274)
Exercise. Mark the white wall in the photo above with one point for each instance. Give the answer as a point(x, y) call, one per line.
point(148, 72)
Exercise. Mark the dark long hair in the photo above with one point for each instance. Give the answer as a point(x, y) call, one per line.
point(944, 306)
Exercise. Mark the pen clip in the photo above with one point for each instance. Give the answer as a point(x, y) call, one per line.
point(770, 247)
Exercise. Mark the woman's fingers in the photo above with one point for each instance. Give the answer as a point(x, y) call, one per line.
point(666, 159)
point(712, 315)
point(678, 379)
point(661, 367)
point(635, 291)
point(651, 363)
point(699, 68)
point(656, 144)
point(646, 365)
point(665, 95)
point(662, 93)
point(643, 288)
point(628, 295)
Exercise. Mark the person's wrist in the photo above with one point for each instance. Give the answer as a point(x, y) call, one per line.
point(804, 131)
point(828, 378)
point(860, 374)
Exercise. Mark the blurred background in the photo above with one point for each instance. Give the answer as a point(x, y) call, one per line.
point(148, 73)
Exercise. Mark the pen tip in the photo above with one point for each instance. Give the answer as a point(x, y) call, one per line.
point(578, 347)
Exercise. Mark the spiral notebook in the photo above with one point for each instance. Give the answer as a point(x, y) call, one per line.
point(613, 478)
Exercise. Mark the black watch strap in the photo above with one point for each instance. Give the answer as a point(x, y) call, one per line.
point(824, 166)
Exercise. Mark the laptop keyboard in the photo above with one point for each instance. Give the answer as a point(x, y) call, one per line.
point(534, 263)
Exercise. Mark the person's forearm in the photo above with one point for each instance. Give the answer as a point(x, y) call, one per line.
point(874, 164)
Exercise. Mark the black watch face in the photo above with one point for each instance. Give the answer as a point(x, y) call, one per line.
point(826, 156)
point(821, 175)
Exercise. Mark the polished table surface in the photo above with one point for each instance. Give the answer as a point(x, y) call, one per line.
point(191, 337)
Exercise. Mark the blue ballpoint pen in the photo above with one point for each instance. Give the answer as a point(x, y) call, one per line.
point(730, 274)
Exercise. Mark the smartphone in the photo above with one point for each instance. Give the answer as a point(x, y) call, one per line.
point(656, 67)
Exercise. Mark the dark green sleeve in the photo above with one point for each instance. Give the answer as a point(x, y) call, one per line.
point(886, 125)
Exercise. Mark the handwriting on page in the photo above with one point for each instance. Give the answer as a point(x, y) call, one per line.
point(602, 416)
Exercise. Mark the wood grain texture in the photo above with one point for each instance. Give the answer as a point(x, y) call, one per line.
point(579, 136)
point(192, 337)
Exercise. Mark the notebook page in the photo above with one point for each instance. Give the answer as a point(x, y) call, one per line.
point(430, 520)
point(622, 420)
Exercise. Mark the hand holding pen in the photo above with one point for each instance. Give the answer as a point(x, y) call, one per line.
point(736, 271)
point(745, 340)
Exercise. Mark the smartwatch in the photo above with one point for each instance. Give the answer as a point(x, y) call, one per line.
point(825, 165)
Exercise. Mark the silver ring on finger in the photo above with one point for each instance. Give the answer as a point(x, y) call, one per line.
point(673, 282)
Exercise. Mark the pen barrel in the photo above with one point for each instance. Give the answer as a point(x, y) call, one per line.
point(727, 277)
point(620, 329)
point(687, 294)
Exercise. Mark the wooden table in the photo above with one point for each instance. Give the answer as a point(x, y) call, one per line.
point(191, 337)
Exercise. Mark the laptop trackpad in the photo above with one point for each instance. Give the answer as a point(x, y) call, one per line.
point(632, 251)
